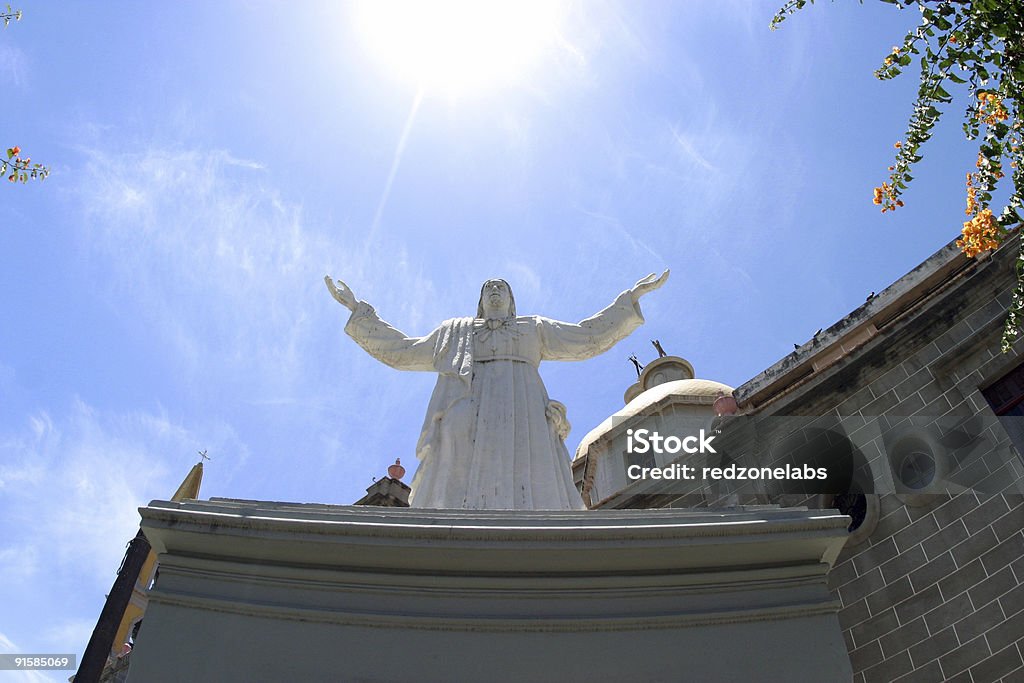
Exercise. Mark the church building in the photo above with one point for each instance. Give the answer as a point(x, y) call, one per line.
point(915, 410)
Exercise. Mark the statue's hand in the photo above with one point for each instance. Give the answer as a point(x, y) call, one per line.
point(558, 419)
point(341, 293)
point(648, 284)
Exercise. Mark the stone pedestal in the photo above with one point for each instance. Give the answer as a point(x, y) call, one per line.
point(386, 492)
point(257, 591)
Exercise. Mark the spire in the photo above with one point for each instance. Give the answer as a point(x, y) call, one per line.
point(128, 597)
point(189, 489)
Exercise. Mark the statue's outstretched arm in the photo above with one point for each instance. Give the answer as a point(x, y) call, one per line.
point(341, 293)
point(599, 332)
point(382, 341)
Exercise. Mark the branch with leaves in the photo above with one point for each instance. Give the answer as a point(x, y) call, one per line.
point(10, 15)
point(978, 44)
point(21, 169)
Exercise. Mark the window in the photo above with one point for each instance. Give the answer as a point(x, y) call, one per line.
point(1006, 396)
point(917, 470)
point(853, 504)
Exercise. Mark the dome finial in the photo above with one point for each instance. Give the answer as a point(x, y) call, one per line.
point(396, 471)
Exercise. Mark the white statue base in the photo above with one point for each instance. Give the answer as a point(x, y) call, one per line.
point(257, 591)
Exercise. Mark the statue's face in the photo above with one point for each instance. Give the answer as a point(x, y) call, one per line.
point(496, 298)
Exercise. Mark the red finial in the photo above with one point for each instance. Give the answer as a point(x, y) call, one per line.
point(725, 405)
point(396, 471)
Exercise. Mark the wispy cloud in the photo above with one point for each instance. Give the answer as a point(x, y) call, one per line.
point(686, 144)
point(97, 469)
point(13, 66)
point(70, 488)
point(637, 245)
point(203, 247)
point(181, 227)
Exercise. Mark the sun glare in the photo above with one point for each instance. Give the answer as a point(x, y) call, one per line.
point(456, 45)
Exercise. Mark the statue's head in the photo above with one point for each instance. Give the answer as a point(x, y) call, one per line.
point(496, 300)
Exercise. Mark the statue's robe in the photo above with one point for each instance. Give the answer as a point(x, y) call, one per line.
point(489, 440)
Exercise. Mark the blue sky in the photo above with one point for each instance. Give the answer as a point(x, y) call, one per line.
point(162, 291)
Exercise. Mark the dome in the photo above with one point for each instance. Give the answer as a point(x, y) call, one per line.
point(697, 392)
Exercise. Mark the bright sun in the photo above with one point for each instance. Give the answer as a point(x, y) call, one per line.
point(456, 45)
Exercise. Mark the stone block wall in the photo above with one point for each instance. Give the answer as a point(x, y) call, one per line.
point(932, 585)
point(937, 592)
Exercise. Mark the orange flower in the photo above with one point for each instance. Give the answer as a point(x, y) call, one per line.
point(898, 145)
point(991, 109)
point(979, 234)
point(16, 150)
point(886, 196)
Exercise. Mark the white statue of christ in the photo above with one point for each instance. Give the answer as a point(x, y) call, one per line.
point(492, 438)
